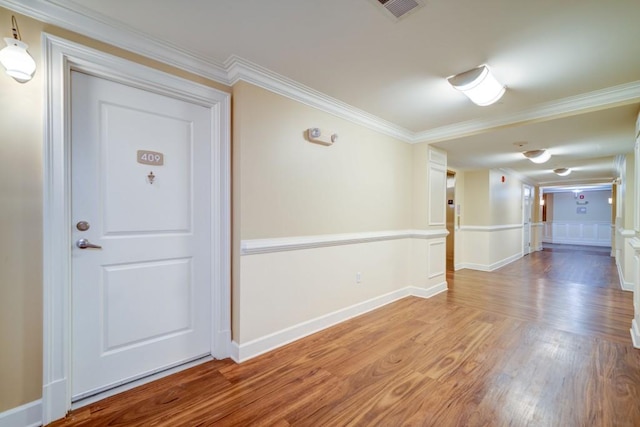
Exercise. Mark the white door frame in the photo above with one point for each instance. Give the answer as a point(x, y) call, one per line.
point(60, 57)
point(526, 216)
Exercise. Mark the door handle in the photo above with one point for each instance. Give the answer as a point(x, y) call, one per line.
point(85, 244)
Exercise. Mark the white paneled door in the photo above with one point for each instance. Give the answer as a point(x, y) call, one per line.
point(141, 228)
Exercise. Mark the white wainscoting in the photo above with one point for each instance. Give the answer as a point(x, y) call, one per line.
point(594, 233)
point(29, 415)
point(624, 254)
point(536, 235)
point(289, 288)
point(487, 248)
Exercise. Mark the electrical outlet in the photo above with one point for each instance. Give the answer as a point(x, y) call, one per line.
point(358, 277)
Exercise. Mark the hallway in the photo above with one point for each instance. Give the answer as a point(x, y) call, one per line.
point(543, 341)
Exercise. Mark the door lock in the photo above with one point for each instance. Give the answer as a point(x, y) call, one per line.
point(83, 225)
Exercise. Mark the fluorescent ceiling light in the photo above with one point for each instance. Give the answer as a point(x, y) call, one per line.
point(537, 156)
point(562, 171)
point(479, 85)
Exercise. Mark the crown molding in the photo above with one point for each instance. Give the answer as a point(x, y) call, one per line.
point(72, 16)
point(614, 96)
point(240, 69)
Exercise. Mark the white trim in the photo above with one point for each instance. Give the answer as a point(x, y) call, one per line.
point(623, 94)
point(240, 69)
point(625, 232)
point(624, 285)
point(60, 56)
point(635, 333)
point(263, 246)
point(490, 227)
point(72, 16)
point(28, 415)
point(254, 348)
point(490, 267)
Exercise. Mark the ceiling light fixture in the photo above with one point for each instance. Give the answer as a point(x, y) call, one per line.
point(479, 85)
point(15, 58)
point(537, 156)
point(562, 171)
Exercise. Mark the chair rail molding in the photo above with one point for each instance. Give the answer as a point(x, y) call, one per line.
point(262, 246)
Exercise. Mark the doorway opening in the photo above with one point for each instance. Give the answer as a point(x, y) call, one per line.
point(451, 219)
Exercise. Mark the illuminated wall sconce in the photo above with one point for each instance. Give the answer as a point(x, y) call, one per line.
point(562, 171)
point(317, 136)
point(610, 200)
point(537, 156)
point(541, 201)
point(478, 85)
point(15, 59)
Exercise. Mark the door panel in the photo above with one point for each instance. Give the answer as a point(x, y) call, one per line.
point(141, 302)
point(132, 204)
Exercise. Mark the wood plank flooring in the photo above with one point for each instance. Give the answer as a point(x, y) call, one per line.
point(543, 341)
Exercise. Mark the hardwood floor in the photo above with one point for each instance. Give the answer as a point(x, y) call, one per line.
point(543, 341)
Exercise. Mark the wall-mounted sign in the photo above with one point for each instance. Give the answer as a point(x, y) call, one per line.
point(150, 158)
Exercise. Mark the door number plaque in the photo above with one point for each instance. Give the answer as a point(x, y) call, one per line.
point(150, 158)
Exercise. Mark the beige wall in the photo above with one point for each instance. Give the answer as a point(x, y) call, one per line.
point(21, 229)
point(475, 210)
point(285, 186)
point(489, 203)
point(21, 159)
point(505, 198)
point(629, 202)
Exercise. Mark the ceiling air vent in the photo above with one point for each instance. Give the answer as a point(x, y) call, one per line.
point(397, 9)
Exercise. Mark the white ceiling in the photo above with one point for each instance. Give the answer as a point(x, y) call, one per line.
point(572, 67)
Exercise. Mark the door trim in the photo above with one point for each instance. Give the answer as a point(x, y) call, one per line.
point(60, 57)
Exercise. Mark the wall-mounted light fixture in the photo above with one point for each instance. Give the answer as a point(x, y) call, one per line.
point(537, 156)
point(610, 200)
point(562, 171)
point(316, 135)
point(15, 58)
point(541, 201)
point(479, 85)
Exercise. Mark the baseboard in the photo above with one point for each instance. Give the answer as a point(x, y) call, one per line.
point(635, 334)
point(626, 286)
point(29, 415)
point(243, 352)
point(579, 242)
point(489, 267)
point(55, 401)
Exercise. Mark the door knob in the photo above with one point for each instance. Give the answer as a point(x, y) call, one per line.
point(85, 244)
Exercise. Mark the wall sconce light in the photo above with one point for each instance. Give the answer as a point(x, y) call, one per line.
point(541, 201)
point(610, 200)
point(562, 171)
point(478, 85)
point(537, 156)
point(15, 58)
point(316, 135)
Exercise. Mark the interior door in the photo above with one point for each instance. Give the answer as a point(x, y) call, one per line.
point(141, 209)
point(526, 219)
